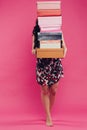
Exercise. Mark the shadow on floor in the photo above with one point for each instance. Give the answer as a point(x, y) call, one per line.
point(42, 122)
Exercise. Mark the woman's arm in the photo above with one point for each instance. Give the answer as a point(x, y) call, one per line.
point(64, 46)
point(33, 50)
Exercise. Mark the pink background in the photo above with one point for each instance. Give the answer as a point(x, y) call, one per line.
point(19, 91)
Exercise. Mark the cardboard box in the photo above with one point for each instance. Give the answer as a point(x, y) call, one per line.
point(50, 53)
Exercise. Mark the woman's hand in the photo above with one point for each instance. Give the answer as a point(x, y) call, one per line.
point(33, 51)
point(64, 46)
point(65, 51)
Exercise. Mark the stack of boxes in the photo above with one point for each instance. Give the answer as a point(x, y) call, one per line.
point(50, 36)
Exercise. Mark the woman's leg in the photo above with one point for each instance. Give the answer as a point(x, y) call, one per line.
point(53, 90)
point(46, 103)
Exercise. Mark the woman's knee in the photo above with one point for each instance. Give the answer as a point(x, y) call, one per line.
point(53, 89)
point(45, 90)
point(53, 92)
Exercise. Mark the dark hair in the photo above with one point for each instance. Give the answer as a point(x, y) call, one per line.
point(35, 33)
point(37, 28)
point(36, 21)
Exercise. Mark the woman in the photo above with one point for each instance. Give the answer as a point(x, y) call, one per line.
point(48, 73)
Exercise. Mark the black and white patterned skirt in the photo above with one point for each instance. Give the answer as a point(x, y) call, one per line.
point(48, 71)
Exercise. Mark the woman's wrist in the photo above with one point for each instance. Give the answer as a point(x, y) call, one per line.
point(33, 51)
point(65, 51)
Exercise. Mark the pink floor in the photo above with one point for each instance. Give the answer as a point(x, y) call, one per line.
point(62, 122)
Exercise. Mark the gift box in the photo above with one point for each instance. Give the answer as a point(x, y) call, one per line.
point(48, 4)
point(50, 21)
point(48, 12)
point(50, 36)
point(51, 29)
point(50, 44)
point(50, 53)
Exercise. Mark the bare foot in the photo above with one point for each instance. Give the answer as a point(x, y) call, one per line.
point(49, 121)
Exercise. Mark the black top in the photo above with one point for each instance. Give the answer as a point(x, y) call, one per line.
point(35, 33)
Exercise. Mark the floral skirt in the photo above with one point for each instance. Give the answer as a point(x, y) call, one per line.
point(48, 71)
